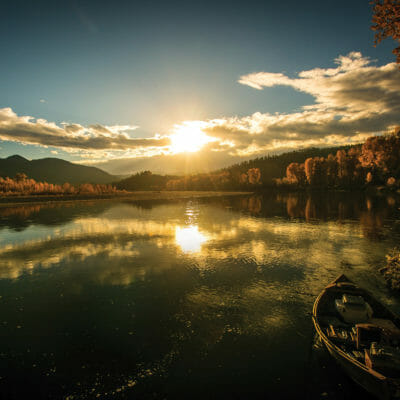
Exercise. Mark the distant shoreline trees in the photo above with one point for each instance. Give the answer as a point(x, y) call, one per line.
point(22, 185)
point(377, 162)
point(220, 180)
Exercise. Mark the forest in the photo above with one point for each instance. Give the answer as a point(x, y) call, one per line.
point(375, 163)
point(22, 185)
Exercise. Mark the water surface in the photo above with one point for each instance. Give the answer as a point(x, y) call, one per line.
point(202, 299)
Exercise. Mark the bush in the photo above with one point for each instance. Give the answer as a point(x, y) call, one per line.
point(391, 271)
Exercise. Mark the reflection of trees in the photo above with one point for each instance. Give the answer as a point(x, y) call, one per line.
point(49, 214)
point(370, 211)
point(252, 204)
point(21, 211)
point(294, 209)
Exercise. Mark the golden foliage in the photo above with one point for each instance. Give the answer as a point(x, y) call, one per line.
point(377, 161)
point(22, 185)
point(386, 20)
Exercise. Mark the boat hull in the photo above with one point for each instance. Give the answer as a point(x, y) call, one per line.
point(377, 387)
point(380, 386)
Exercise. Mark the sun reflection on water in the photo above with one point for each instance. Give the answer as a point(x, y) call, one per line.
point(189, 238)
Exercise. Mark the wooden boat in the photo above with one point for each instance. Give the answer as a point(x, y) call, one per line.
point(354, 343)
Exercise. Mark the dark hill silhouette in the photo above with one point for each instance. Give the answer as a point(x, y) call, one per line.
point(53, 170)
point(144, 181)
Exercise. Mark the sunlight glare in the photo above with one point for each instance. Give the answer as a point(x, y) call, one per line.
point(189, 238)
point(188, 137)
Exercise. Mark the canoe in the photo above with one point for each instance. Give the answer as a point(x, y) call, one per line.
point(363, 338)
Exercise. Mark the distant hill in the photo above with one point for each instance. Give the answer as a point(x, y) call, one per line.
point(53, 170)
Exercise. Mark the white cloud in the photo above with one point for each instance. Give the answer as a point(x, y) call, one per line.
point(352, 101)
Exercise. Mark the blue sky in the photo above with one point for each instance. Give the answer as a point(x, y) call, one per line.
point(155, 64)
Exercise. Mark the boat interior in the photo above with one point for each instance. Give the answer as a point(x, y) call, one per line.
point(361, 327)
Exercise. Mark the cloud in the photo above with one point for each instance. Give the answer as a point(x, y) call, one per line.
point(352, 101)
point(27, 130)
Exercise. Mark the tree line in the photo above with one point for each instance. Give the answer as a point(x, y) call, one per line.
point(22, 185)
point(218, 180)
point(376, 162)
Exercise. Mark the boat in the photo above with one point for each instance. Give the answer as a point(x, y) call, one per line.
point(362, 335)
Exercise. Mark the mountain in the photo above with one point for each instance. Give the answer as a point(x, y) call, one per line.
point(53, 170)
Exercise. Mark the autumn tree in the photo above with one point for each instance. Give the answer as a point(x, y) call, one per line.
point(331, 170)
point(254, 175)
point(20, 176)
point(315, 170)
point(295, 174)
point(381, 155)
point(386, 20)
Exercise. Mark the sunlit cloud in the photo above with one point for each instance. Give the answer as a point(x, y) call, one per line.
point(28, 130)
point(352, 100)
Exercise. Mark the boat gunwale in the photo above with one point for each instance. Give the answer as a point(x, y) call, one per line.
point(332, 345)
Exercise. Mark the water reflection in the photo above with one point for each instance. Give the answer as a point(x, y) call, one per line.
point(189, 238)
point(179, 297)
point(120, 232)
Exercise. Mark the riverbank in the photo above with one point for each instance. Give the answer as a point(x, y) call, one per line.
point(6, 201)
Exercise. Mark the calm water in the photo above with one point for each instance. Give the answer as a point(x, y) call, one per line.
point(188, 299)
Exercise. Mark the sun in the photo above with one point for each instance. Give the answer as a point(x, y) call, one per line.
point(188, 137)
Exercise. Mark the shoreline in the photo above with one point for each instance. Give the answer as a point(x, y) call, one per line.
point(9, 201)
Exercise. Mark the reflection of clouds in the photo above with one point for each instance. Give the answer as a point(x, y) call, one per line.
point(49, 253)
point(219, 236)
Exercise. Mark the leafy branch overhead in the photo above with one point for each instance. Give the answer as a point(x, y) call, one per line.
point(386, 20)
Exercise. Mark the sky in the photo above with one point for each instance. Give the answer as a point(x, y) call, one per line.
point(129, 85)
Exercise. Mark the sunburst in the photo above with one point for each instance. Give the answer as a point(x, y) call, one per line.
point(188, 137)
